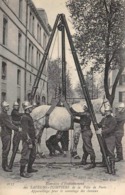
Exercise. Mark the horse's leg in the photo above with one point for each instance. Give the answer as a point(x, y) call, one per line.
point(75, 144)
point(39, 150)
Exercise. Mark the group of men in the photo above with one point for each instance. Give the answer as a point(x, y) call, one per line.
point(23, 127)
point(112, 131)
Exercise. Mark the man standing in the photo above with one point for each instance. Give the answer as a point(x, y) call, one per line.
point(6, 132)
point(16, 119)
point(28, 153)
point(108, 125)
point(85, 122)
point(120, 117)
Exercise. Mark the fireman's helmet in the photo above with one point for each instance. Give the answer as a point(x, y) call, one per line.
point(108, 108)
point(15, 104)
point(34, 104)
point(4, 104)
point(26, 105)
point(121, 105)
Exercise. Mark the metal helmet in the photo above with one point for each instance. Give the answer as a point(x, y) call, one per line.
point(34, 104)
point(108, 108)
point(121, 105)
point(15, 104)
point(26, 105)
point(4, 104)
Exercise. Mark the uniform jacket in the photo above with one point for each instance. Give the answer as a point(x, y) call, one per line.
point(108, 125)
point(120, 118)
point(27, 127)
point(6, 124)
point(16, 117)
point(85, 119)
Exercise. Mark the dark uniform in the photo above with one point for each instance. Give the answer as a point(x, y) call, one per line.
point(52, 144)
point(6, 132)
point(120, 117)
point(28, 154)
point(108, 125)
point(16, 119)
point(85, 122)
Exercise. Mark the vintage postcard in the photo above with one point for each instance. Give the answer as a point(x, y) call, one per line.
point(62, 95)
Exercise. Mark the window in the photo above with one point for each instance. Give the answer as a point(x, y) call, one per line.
point(40, 36)
point(43, 100)
point(30, 79)
point(122, 96)
point(37, 59)
point(19, 43)
point(122, 79)
point(3, 96)
point(18, 100)
point(29, 53)
point(18, 77)
point(32, 59)
point(4, 71)
point(20, 8)
point(33, 25)
point(5, 22)
point(30, 22)
point(29, 96)
point(38, 32)
point(38, 99)
point(44, 41)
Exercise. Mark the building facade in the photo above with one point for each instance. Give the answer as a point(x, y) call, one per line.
point(23, 37)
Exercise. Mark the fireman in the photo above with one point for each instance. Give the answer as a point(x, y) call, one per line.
point(85, 122)
point(16, 119)
point(28, 153)
point(120, 117)
point(6, 132)
point(108, 126)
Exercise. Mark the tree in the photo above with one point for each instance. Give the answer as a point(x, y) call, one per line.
point(100, 27)
point(55, 79)
point(91, 85)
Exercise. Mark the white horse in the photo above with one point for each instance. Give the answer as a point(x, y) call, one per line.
point(59, 119)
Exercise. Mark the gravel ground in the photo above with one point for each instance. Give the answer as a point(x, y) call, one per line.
point(60, 175)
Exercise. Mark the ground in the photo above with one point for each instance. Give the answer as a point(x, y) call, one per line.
point(60, 175)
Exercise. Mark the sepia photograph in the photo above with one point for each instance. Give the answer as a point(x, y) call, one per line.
point(62, 97)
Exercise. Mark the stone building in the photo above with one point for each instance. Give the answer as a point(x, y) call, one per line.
point(23, 37)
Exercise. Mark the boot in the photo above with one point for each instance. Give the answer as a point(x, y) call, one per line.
point(103, 164)
point(29, 168)
point(92, 165)
point(118, 159)
point(84, 159)
point(22, 172)
point(7, 169)
point(4, 166)
point(75, 155)
point(113, 167)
